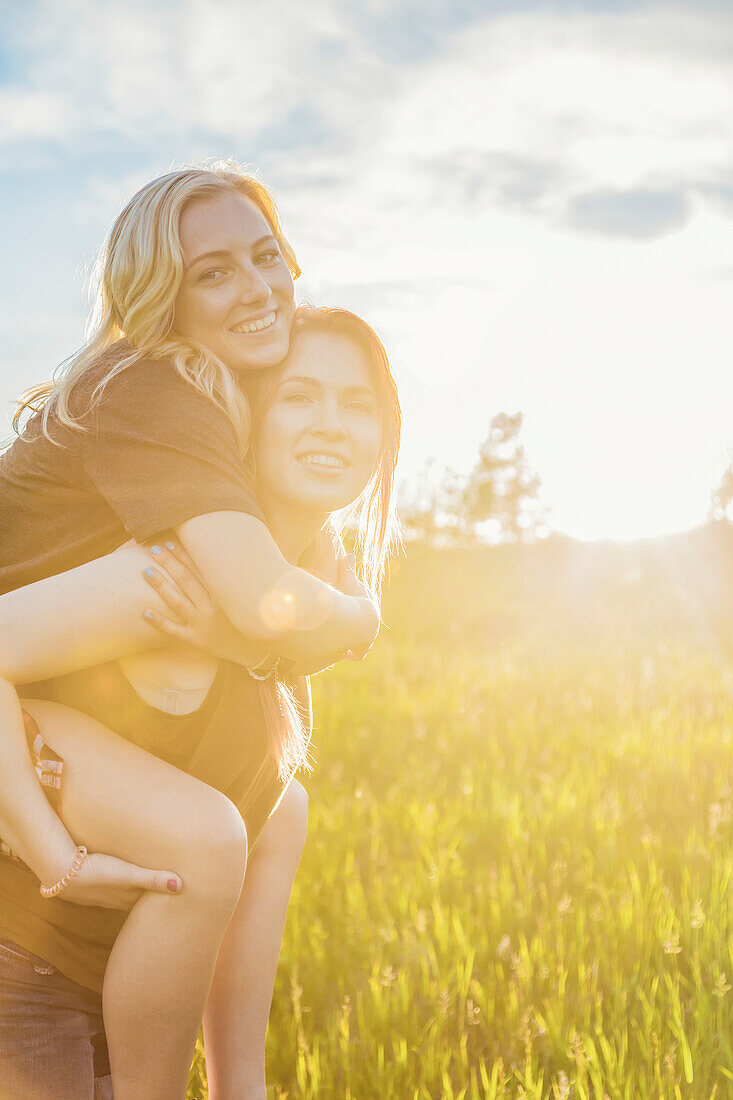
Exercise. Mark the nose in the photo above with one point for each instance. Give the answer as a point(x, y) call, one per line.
point(327, 421)
point(253, 289)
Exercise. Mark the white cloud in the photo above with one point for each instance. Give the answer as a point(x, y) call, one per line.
point(434, 196)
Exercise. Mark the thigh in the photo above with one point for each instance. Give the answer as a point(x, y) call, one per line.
point(117, 798)
point(51, 1031)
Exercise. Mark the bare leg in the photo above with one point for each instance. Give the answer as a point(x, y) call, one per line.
point(235, 1020)
point(128, 803)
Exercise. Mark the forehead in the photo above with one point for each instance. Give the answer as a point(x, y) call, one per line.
point(330, 359)
point(221, 223)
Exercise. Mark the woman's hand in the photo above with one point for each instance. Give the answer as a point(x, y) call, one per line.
point(324, 555)
point(197, 619)
point(114, 884)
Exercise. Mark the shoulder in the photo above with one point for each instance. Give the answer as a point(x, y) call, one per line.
point(121, 379)
point(121, 370)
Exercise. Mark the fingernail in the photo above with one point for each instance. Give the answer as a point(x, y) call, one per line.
point(171, 545)
point(149, 571)
point(173, 885)
point(155, 550)
point(148, 615)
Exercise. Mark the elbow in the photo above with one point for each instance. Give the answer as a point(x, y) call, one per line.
point(291, 604)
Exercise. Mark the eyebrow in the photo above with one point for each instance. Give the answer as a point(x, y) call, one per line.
point(306, 380)
point(223, 252)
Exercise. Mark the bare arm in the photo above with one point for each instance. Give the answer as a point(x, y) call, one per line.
point(76, 619)
point(300, 617)
point(27, 821)
point(84, 617)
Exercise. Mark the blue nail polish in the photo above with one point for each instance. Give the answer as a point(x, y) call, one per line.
point(155, 550)
point(170, 545)
point(149, 571)
point(148, 615)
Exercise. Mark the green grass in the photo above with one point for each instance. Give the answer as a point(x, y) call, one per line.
point(517, 877)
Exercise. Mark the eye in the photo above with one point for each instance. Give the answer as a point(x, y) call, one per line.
point(212, 275)
point(269, 256)
point(359, 405)
point(297, 397)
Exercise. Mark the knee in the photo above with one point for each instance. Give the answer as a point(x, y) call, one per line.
point(218, 850)
point(285, 833)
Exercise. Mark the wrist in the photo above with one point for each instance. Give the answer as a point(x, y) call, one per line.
point(50, 859)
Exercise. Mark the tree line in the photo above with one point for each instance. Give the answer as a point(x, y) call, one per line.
point(498, 500)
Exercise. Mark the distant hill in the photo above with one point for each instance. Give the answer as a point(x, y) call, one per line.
point(680, 584)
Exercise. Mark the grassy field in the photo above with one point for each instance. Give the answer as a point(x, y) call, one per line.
point(519, 869)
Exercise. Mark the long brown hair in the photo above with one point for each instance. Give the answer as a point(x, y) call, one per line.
point(372, 514)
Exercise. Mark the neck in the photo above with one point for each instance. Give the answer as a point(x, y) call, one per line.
point(292, 528)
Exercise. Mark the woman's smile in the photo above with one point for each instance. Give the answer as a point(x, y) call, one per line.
point(318, 442)
point(321, 463)
point(259, 324)
point(236, 296)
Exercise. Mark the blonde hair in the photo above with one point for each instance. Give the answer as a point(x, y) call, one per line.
point(138, 276)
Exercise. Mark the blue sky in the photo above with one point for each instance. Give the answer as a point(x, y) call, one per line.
point(532, 203)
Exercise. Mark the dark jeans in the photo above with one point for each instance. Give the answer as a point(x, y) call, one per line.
point(52, 1041)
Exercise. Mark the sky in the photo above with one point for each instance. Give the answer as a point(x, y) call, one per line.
point(531, 202)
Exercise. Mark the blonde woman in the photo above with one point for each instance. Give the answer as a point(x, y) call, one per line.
point(152, 427)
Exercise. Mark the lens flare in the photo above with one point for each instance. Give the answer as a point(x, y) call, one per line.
point(287, 606)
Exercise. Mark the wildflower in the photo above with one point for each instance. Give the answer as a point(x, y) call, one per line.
point(721, 986)
point(672, 944)
point(698, 916)
point(504, 949)
point(577, 1049)
point(562, 1091)
point(565, 905)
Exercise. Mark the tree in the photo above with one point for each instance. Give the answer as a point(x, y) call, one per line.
point(502, 491)
point(498, 499)
point(430, 509)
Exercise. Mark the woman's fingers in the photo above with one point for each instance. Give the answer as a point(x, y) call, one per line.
point(180, 552)
point(116, 884)
point(173, 596)
point(160, 882)
point(181, 573)
point(180, 631)
point(130, 875)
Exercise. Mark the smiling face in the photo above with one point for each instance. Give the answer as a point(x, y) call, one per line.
point(236, 296)
point(319, 439)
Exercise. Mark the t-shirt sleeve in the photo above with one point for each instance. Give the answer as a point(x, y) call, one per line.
point(161, 452)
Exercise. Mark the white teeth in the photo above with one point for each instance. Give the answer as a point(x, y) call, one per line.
point(324, 460)
point(256, 326)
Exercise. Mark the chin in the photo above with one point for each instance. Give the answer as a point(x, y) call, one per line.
point(327, 502)
point(265, 354)
point(262, 357)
